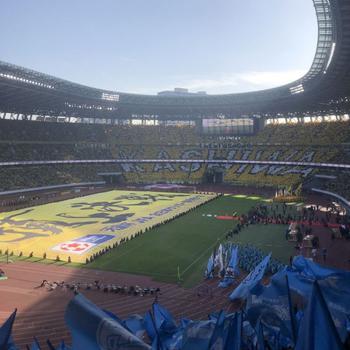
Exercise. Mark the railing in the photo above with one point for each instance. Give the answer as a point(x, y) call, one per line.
point(176, 161)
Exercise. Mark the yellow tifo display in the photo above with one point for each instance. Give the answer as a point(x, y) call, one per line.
point(80, 227)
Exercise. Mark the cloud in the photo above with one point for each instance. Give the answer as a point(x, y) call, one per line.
point(226, 83)
point(271, 78)
point(241, 82)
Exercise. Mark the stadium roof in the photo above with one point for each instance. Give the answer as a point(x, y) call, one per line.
point(325, 89)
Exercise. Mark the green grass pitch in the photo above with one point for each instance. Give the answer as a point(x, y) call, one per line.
point(187, 242)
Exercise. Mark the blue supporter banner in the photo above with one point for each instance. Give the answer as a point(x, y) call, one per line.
point(317, 330)
point(310, 269)
point(254, 277)
point(92, 328)
point(335, 289)
point(271, 305)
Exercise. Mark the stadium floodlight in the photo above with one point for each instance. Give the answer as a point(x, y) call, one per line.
point(27, 81)
point(330, 57)
point(296, 89)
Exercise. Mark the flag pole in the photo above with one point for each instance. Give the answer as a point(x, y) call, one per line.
point(178, 274)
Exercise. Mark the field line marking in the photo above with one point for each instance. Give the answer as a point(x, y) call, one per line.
point(195, 261)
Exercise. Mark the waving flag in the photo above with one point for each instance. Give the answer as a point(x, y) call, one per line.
point(197, 335)
point(234, 334)
point(92, 328)
point(35, 345)
point(317, 330)
point(135, 325)
point(161, 329)
point(63, 346)
point(226, 282)
point(231, 269)
point(219, 259)
point(218, 337)
point(210, 267)
point(313, 270)
point(260, 336)
point(5, 332)
point(272, 306)
point(335, 290)
point(163, 320)
point(234, 259)
point(150, 325)
point(254, 277)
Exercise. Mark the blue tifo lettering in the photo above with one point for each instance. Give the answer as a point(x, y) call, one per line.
point(144, 219)
point(158, 213)
point(162, 211)
point(119, 227)
point(95, 239)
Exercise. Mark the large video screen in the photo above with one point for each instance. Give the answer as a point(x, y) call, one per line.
point(228, 126)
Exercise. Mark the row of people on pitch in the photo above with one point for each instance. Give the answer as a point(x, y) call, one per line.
point(99, 286)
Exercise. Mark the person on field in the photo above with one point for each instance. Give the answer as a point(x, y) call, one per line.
point(324, 254)
point(314, 253)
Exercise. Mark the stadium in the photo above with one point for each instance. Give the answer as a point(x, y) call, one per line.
point(179, 220)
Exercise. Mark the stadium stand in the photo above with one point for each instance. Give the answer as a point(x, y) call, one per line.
point(53, 141)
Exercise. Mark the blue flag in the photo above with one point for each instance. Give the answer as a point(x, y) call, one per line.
point(234, 333)
point(210, 267)
point(49, 344)
point(260, 336)
point(234, 259)
point(226, 282)
point(163, 320)
point(197, 335)
point(63, 346)
point(254, 277)
point(11, 345)
point(335, 290)
point(114, 316)
point(135, 325)
point(218, 337)
point(317, 330)
point(231, 269)
point(6, 330)
point(150, 325)
point(35, 345)
point(168, 334)
point(92, 328)
point(310, 269)
point(272, 306)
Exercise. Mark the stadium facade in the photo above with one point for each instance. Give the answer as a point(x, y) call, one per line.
point(323, 90)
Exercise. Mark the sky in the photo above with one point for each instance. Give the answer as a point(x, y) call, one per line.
point(147, 46)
